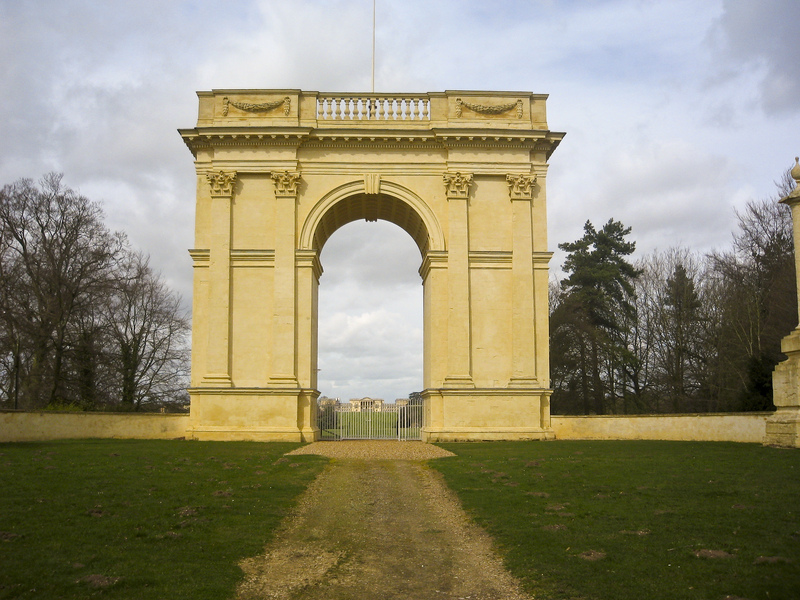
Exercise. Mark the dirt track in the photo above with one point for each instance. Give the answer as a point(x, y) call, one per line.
point(372, 527)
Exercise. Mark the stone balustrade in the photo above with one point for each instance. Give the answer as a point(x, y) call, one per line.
point(432, 110)
point(389, 107)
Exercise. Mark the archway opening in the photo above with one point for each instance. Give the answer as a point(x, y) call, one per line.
point(371, 207)
point(370, 302)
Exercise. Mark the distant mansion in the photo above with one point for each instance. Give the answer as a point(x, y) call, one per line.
point(365, 404)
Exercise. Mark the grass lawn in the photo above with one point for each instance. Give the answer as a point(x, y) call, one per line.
point(637, 520)
point(140, 519)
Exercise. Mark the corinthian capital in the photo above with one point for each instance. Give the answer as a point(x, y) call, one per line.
point(286, 183)
point(457, 185)
point(520, 187)
point(221, 182)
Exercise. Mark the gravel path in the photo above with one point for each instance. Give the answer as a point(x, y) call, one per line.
point(378, 524)
point(375, 450)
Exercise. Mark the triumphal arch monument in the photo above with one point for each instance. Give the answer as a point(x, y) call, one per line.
point(279, 171)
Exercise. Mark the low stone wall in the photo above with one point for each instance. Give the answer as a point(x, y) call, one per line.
point(18, 426)
point(705, 427)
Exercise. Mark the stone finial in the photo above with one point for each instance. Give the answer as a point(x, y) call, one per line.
point(794, 195)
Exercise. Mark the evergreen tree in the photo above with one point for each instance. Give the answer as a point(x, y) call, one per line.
point(597, 313)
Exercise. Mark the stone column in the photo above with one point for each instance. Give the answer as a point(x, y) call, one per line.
point(783, 427)
point(218, 371)
point(284, 342)
point(459, 344)
point(523, 329)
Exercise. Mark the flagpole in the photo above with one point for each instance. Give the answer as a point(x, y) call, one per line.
point(373, 46)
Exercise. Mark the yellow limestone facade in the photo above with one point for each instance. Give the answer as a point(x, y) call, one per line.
point(279, 171)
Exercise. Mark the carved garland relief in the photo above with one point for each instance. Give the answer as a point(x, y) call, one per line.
point(488, 110)
point(257, 108)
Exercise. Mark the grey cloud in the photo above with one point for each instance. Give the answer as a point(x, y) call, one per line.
point(763, 34)
point(98, 89)
point(380, 253)
point(376, 353)
point(370, 313)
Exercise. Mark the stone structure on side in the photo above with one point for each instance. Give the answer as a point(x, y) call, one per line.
point(279, 171)
point(783, 428)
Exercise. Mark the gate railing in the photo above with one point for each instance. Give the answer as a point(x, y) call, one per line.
point(389, 422)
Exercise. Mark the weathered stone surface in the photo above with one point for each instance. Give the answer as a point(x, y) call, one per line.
point(464, 173)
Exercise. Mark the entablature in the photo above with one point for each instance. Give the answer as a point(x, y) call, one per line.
point(231, 118)
point(433, 140)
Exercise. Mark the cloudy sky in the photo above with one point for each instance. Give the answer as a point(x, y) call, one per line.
point(676, 113)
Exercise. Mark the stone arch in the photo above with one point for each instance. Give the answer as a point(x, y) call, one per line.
point(350, 202)
point(278, 171)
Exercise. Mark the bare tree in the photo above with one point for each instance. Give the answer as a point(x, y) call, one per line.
point(63, 254)
point(670, 317)
point(149, 330)
point(11, 347)
point(83, 319)
point(760, 298)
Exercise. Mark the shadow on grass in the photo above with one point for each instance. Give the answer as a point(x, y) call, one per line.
point(633, 520)
point(140, 519)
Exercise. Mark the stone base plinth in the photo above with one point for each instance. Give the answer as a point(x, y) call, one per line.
point(486, 414)
point(783, 428)
point(253, 414)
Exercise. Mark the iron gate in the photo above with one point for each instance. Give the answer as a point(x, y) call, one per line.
point(339, 421)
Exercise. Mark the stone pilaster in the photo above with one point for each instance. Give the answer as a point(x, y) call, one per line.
point(284, 343)
point(459, 344)
point(523, 332)
point(783, 427)
point(218, 374)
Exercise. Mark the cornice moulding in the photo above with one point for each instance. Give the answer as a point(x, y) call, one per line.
point(537, 140)
point(273, 91)
point(494, 94)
